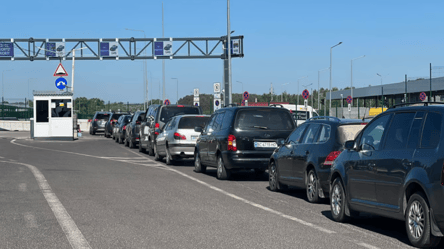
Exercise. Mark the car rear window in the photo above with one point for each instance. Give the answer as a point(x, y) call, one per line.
point(191, 122)
point(102, 116)
point(168, 112)
point(348, 132)
point(116, 116)
point(267, 119)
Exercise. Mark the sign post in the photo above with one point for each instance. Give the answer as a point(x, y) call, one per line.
point(217, 100)
point(305, 95)
point(349, 101)
point(196, 97)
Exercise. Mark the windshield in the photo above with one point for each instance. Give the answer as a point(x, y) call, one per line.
point(301, 115)
point(116, 116)
point(191, 122)
point(266, 119)
point(168, 112)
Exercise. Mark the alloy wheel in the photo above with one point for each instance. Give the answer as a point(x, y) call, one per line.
point(336, 201)
point(272, 177)
point(416, 220)
point(311, 186)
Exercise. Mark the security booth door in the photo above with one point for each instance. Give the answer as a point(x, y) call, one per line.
point(61, 121)
point(41, 128)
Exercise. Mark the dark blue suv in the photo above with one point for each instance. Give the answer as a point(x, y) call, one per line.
point(395, 168)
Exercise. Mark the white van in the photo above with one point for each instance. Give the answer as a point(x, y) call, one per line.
point(300, 112)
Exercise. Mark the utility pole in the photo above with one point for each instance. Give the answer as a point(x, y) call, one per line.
point(163, 61)
point(229, 52)
point(431, 82)
point(331, 68)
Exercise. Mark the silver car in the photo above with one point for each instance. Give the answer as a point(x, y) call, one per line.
point(178, 138)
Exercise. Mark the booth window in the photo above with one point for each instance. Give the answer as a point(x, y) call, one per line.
point(42, 111)
point(61, 108)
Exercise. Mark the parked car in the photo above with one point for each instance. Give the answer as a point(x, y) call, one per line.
point(120, 128)
point(98, 122)
point(395, 168)
point(178, 138)
point(239, 138)
point(304, 160)
point(109, 125)
point(156, 117)
point(132, 129)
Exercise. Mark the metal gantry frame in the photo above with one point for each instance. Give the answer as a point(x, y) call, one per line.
point(187, 47)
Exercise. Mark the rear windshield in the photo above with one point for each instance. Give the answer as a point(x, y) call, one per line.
point(168, 112)
point(116, 116)
point(102, 116)
point(301, 115)
point(127, 119)
point(348, 132)
point(191, 122)
point(266, 119)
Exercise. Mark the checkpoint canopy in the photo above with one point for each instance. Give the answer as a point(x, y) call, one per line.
point(53, 116)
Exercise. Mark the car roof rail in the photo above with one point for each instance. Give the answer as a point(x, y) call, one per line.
point(276, 105)
point(324, 117)
point(426, 103)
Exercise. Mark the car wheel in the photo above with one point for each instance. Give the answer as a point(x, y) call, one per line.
point(168, 157)
point(93, 133)
point(222, 172)
point(337, 201)
point(273, 178)
point(157, 157)
point(113, 137)
point(141, 149)
point(126, 142)
point(198, 167)
point(417, 222)
point(131, 144)
point(150, 149)
point(312, 187)
point(116, 139)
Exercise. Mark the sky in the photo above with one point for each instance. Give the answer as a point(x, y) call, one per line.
point(283, 42)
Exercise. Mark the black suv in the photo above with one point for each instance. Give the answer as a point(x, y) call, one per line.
point(395, 168)
point(132, 129)
point(241, 138)
point(98, 122)
point(113, 117)
point(156, 116)
point(304, 160)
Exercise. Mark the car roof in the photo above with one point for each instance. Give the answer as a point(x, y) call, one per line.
point(329, 119)
point(252, 107)
point(436, 107)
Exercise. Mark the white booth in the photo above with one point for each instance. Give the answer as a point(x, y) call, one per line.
point(53, 116)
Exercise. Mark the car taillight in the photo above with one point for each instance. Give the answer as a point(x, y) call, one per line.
point(180, 106)
point(232, 143)
point(364, 123)
point(96, 120)
point(331, 157)
point(124, 127)
point(89, 120)
point(157, 125)
point(179, 136)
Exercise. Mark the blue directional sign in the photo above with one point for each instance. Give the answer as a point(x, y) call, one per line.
point(7, 49)
point(158, 48)
point(61, 83)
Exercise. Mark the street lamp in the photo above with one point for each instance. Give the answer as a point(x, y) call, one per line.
point(351, 77)
point(342, 105)
point(331, 68)
point(298, 88)
point(3, 89)
point(319, 89)
point(145, 76)
point(177, 81)
point(73, 60)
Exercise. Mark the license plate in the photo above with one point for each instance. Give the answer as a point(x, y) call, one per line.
point(193, 137)
point(265, 144)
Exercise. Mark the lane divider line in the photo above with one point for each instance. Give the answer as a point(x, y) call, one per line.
point(69, 227)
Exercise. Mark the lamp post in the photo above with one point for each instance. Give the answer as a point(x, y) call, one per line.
point(145, 76)
point(331, 68)
point(382, 93)
point(319, 89)
point(342, 105)
point(351, 77)
point(177, 82)
point(298, 88)
point(73, 61)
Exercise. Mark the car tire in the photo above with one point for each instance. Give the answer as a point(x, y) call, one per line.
point(417, 222)
point(168, 158)
point(131, 144)
point(120, 140)
point(157, 157)
point(93, 133)
point(222, 172)
point(116, 139)
point(150, 149)
point(338, 201)
point(126, 142)
point(141, 149)
point(198, 167)
point(273, 180)
point(311, 187)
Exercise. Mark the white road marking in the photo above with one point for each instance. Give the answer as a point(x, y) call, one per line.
point(30, 220)
point(72, 232)
point(22, 187)
point(367, 245)
point(1, 157)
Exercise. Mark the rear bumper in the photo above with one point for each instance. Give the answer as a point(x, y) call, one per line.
point(246, 159)
point(182, 150)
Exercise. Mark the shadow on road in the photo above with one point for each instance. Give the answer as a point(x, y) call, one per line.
point(245, 175)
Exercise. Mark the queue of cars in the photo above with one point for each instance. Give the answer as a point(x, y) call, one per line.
point(392, 166)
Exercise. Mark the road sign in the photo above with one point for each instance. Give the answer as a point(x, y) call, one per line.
point(305, 94)
point(61, 83)
point(349, 99)
point(158, 48)
point(246, 95)
point(349, 107)
point(55, 49)
point(109, 49)
point(7, 49)
point(167, 102)
point(196, 103)
point(422, 96)
point(243, 102)
point(216, 87)
point(305, 103)
point(196, 99)
point(217, 95)
point(167, 48)
point(60, 71)
point(217, 104)
point(246, 102)
point(196, 92)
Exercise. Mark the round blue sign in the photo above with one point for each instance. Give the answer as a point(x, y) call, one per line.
point(217, 103)
point(61, 83)
point(305, 94)
point(167, 102)
point(246, 95)
point(422, 96)
point(197, 104)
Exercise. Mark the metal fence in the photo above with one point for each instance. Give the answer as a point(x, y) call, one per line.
point(15, 108)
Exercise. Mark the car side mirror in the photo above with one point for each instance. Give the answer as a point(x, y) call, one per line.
point(349, 145)
point(198, 129)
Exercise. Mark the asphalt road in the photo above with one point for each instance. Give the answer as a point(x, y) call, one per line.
point(95, 193)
